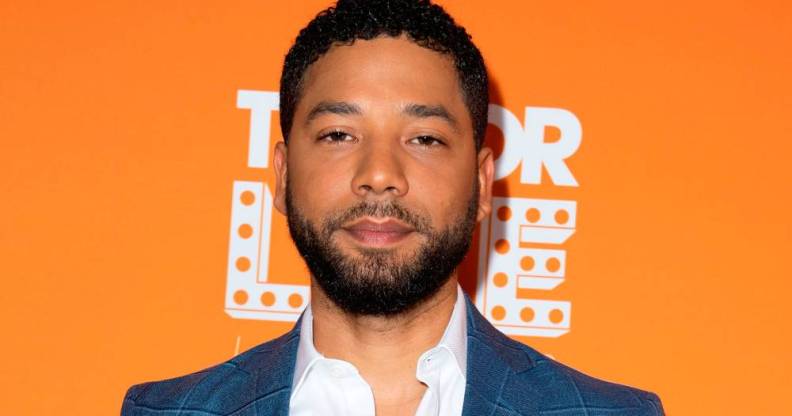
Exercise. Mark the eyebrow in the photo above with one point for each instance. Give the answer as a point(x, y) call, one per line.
point(332, 107)
point(412, 110)
point(427, 111)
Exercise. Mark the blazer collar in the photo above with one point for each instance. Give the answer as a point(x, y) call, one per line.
point(273, 369)
point(492, 359)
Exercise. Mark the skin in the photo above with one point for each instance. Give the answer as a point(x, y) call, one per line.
point(382, 151)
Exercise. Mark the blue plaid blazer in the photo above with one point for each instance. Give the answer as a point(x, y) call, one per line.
point(504, 377)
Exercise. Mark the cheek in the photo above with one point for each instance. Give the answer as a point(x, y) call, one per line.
point(317, 188)
point(444, 193)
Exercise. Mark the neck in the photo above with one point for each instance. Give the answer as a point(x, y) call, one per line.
point(384, 349)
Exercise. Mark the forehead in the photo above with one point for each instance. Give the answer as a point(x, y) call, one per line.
point(383, 69)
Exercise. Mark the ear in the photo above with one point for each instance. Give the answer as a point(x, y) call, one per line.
point(486, 172)
point(279, 162)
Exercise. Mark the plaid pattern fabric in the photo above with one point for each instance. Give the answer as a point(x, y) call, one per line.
point(504, 377)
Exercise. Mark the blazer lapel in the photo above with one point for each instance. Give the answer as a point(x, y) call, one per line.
point(485, 378)
point(490, 364)
point(274, 373)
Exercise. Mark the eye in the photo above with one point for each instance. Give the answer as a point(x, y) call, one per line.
point(336, 136)
point(427, 141)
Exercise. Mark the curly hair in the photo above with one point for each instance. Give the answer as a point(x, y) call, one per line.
point(424, 23)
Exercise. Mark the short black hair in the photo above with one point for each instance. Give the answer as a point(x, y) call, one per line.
point(424, 23)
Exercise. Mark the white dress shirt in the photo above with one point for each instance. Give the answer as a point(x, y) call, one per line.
point(325, 386)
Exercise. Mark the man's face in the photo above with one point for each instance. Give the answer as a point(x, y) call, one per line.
point(382, 184)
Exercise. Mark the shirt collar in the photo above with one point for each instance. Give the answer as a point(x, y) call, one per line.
point(454, 339)
point(306, 352)
point(455, 335)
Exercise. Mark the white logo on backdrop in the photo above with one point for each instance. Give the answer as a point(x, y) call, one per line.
point(249, 292)
point(509, 256)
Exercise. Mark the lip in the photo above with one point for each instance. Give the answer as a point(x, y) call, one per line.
point(370, 232)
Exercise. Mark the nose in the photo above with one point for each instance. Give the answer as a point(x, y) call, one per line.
point(379, 173)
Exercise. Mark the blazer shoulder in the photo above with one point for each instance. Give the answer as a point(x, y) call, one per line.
point(528, 382)
point(192, 392)
point(217, 390)
point(570, 390)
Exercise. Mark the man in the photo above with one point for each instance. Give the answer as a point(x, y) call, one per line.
point(382, 175)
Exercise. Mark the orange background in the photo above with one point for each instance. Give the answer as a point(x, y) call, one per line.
point(120, 140)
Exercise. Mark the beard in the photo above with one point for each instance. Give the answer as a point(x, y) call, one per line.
point(379, 282)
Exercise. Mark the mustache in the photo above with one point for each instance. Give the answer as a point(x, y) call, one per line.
point(378, 210)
